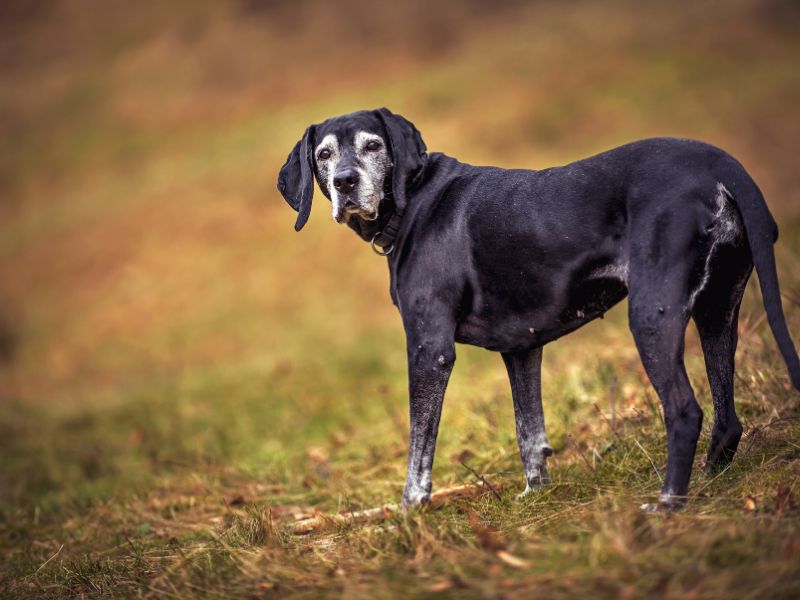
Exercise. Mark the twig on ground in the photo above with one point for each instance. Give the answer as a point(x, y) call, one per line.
point(439, 499)
point(482, 478)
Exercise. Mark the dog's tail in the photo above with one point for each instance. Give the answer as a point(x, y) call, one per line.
point(762, 233)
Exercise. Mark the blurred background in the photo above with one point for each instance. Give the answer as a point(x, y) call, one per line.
point(161, 321)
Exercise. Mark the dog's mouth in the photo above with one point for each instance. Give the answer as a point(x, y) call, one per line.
point(350, 207)
point(367, 215)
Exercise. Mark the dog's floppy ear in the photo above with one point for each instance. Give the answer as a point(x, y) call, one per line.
point(296, 179)
point(408, 154)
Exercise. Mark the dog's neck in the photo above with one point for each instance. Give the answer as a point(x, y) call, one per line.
point(440, 172)
point(438, 167)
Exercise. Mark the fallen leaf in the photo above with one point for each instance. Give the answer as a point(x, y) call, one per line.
point(513, 561)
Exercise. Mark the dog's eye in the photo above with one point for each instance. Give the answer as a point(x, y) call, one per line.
point(324, 154)
point(373, 145)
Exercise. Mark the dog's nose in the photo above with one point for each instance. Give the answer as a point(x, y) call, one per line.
point(345, 181)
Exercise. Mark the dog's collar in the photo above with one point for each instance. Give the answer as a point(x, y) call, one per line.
point(383, 242)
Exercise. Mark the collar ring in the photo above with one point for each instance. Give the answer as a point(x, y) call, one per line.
point(380, 251)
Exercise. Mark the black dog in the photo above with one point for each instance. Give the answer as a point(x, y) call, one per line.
point(511, 259)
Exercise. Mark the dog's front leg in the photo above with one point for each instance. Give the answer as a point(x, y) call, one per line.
point(525, 373)
point(430, 361)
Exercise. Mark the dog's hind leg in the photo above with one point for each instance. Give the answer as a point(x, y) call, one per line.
point(716, 313)
point(658, 315)
point(525, 373)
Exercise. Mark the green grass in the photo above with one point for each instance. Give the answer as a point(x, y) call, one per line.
point(184, 376)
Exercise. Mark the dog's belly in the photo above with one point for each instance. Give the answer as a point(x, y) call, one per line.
point(504, 324)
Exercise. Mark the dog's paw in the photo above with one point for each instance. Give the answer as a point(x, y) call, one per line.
point(416, 497)
point(716, 464)
point(417, 490)
point(667, 503)
point(535, 482)
point(415, 501)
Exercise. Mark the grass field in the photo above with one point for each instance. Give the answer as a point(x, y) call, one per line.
point(182, 376)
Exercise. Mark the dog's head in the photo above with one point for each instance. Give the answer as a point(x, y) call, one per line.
point(358, 159)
